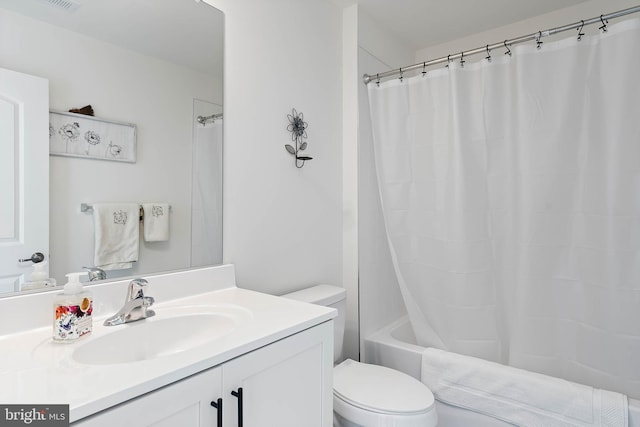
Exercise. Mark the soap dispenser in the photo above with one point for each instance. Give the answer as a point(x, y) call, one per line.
point(72, 311)
point(39, 278)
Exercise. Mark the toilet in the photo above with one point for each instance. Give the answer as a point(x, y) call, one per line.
point(364, 394)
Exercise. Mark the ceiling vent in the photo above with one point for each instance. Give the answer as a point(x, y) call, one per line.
point(64, 5)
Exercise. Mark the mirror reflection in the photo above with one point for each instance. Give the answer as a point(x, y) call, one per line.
point(154, 65)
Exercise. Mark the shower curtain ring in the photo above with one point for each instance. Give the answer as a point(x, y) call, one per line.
point(580, 33)
point(448, 61)
point(378, 80)
point(488, 58)
point(401, 75)
point(424, 71)
point(508, 52)
point(538, 42)
point(462, 61)
point(604, 24)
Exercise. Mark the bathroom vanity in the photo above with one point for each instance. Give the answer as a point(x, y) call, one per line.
point(213, 355)
point(276, 385)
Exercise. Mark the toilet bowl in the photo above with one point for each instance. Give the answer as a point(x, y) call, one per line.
point(372, 395)
point(365, 394)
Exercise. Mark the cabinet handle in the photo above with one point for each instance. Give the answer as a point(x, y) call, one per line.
point(218, 406)
point(238, 394)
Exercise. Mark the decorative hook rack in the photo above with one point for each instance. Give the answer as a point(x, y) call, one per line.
point(298, 128)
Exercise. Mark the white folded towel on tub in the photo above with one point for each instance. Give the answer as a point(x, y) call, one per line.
point(156, 222)
point(518, 396)
point(117, 235)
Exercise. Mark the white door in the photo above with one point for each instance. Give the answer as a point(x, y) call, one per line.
point(24, 174)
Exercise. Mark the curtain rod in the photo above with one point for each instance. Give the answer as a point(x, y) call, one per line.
point(203, 120)
point(602, 19)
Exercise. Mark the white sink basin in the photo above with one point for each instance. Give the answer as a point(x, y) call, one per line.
point(167, 333)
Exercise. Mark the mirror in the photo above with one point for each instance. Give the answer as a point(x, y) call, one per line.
point(156, 65)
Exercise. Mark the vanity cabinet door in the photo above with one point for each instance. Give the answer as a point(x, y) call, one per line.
point(186, 403)
point(286, 384)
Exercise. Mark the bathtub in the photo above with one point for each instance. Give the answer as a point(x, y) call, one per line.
point(395, 346)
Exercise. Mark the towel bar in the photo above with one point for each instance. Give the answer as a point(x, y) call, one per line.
point(86, 207)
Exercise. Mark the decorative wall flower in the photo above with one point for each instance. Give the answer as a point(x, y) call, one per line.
point(113, 150)
point(92, 137)
point(70, 131)
point(297, 125)
point(298, 128)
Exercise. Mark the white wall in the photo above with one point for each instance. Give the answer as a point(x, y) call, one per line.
point(122, 86)
point(379, 42)
point(282, 225)
point(380, 298)
point(350, 85)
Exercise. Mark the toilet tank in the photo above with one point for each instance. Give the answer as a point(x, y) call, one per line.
point(328, 296)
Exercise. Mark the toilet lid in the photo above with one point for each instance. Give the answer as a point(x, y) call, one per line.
point(380, 389)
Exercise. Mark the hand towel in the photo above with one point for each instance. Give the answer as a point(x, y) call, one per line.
point(117, 235)
point(156, 222)
point(518, 396)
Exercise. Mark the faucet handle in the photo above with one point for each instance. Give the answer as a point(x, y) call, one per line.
point(136, 289)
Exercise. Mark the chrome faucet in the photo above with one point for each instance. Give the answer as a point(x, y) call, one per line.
point(95, 273)
point(135, 306)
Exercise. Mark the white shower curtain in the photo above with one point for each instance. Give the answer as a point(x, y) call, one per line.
point(511, 197)
point(206, 197)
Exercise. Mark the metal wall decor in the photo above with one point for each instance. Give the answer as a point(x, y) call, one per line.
point(298, 128)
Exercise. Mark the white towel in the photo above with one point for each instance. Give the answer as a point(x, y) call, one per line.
point(117, 235)
point(156, 222)
point(517, 396)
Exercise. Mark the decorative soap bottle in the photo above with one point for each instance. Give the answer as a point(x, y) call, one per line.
point(72, 311)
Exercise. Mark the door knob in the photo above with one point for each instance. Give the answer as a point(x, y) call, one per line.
point(35, 258)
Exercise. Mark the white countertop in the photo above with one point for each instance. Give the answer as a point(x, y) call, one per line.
point(34, 370)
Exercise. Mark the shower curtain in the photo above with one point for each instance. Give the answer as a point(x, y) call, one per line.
point(206, 197)
point(511, 198)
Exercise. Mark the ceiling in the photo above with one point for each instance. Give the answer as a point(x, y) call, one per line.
point(184, 32)
point(424, 23)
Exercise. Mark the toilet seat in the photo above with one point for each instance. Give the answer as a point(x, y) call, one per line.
point(375, 395)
